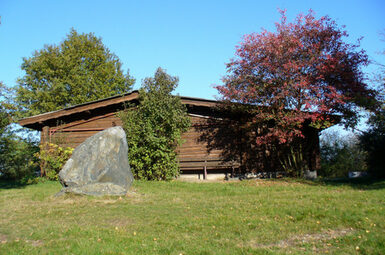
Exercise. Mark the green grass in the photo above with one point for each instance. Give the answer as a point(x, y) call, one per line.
point(249, 217)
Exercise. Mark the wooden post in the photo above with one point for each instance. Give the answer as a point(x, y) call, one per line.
point(44, 138)
point(205, 171)
point(44, 135)
point(316, 152)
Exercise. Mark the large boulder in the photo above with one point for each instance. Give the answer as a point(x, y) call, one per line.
point(99, 166)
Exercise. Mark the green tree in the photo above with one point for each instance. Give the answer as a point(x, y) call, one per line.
point(17, 159)
point(78, 70)
point(373, 139)
point(5, 118)
point(341, 155)
point(154, 128)
point(16, 154)
point(373, 142)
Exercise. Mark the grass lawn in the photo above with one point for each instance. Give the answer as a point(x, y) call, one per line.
point(248, 217)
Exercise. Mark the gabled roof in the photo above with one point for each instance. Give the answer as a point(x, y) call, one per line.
point(38, 121)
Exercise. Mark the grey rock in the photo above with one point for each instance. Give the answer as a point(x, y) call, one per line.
point(357, 174)
point(99, 166)
point(310, 175)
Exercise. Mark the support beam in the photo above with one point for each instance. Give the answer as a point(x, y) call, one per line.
point(205, 171)
point(44, 139)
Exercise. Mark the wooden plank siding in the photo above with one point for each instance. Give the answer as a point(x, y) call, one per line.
point(193, 153)
point(73, 134)
point(215, 141)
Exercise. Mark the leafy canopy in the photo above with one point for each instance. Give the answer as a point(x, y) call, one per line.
point(17, 159)
point(154, 128)
point(302, 71)
point(341, 155)
point(78, 70)
point(5, 116)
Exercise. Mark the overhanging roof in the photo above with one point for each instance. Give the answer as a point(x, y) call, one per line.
point(38, 121)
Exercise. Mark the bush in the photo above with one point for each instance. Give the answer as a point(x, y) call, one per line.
point(52, 159)
point(17, 160)
point(154, 128)
point(373, 142)
point(341, 155)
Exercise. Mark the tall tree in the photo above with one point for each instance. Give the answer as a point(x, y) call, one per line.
point(154, 128)
point(78, 70)
point(373, 139)
point(373, 142)
point(302, 71)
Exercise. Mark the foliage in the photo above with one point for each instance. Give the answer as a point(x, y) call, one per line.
point(52, 159)
point(302, 71)
point(5, 115)
point(33, 180)
point(373, 140)
point(341, 155)
point(16, 153)
point(154, 128)
point(78, 70)
point(17, 159)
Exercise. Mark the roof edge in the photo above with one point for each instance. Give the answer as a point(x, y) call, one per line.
point(117, 99)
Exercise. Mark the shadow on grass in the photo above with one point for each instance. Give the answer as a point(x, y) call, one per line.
point(365, 183)
point(10, 184)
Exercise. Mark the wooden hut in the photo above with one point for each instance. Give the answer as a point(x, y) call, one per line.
point(213, 145)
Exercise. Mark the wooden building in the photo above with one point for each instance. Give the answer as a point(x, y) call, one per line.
point(214, 144)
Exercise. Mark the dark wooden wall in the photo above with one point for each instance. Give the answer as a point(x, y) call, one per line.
point(210, 144)
point(74, 133)
point(195, 152)
point(220, 137)
point(194, 148)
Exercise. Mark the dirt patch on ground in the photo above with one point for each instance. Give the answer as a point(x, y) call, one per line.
point(70, 199)
point(118, 222)
point(105, 201)
point(307, 238)
point(272, 182)
point(3, 238)
point(35, 243)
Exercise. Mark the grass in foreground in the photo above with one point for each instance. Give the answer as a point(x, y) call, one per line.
point(249, 217)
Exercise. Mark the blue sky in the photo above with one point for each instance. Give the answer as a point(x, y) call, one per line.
point(190, 39)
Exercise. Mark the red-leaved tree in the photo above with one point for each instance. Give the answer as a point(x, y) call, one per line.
point(302, 72)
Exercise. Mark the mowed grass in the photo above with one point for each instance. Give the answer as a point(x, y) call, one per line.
point(248, 217)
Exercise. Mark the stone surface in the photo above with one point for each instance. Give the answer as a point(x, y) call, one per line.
point(357, 174)
point(310, 175)
point(99, 166)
